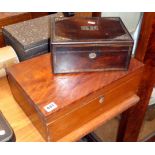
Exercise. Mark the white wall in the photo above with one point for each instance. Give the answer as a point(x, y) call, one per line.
point(132, 21)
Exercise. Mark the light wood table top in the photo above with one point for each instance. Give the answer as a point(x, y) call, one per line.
point(22, 126)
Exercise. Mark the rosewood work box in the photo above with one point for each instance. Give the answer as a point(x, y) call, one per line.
point(90, 44)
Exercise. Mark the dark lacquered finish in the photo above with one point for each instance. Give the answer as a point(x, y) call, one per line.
point(90, 44)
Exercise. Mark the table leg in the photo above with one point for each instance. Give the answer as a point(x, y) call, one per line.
point(132, 119)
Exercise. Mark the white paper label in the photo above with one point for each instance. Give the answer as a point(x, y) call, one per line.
point(2, 132)
point(50, 107)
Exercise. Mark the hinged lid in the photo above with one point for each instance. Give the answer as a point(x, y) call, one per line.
point(89, 29)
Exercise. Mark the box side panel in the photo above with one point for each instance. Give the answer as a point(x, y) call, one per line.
point(25, 104)
point(23, 53)
point(90, 57)
point(105, 100)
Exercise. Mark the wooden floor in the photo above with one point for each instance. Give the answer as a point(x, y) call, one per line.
point(24, 130)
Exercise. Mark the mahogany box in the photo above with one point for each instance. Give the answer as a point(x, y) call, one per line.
point(66, 107)
point(90, 44)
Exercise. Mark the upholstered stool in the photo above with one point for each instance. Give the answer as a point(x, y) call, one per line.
point(8, 57)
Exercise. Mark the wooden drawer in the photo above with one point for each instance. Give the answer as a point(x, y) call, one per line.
point(86, 111)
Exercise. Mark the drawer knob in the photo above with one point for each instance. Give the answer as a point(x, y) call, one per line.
point(92, 55)
point(101, 99)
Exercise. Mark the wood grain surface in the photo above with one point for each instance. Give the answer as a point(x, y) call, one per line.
point(26, 132)
point(78, 101)
point(101, 119)
point(92, 47)
point(21, 124)
point(36, 78)
point(145, 34)
point(77, 58)
point(132, 119)
point(83, 14)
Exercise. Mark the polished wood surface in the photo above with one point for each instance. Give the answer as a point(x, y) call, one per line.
point(145, 34)
point(36, 73)
point(78, 58)
point(83, 14)
point(96, 14)
point(91, 29)
point(101, 119)
point(38, 14)
point(34, 86)
point(7, 18)
point(22, 126)
point(2, 43)
point(25, 131)
point(90, 44)
point(133, 118)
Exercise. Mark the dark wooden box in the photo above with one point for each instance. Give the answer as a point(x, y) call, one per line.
point(90, 44)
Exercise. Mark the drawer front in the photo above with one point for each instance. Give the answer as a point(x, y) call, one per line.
point(93, 58)
point(100, 104)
